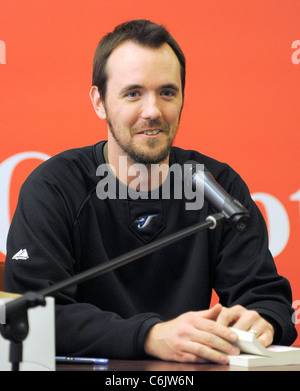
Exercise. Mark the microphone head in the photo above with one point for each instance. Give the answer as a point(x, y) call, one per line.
point(240, 222)
point(234, 212)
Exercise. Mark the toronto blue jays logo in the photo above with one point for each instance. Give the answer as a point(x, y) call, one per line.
point(143, 221)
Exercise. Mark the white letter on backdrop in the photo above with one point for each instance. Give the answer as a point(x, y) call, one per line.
point(2, 53)
point(277, 220)
point(296, 197)
point(6, 170)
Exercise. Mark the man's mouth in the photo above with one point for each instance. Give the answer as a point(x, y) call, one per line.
point(151, 132)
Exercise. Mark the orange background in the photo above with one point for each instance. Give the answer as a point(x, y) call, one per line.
point(242, 92)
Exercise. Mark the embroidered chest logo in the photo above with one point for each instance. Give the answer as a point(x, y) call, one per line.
point(144, 221)
point(22, 254)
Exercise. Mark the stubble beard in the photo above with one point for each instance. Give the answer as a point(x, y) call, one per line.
point(140, 156)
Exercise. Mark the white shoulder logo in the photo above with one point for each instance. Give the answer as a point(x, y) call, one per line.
point(22, 254)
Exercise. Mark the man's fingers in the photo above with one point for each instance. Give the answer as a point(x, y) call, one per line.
point(214, 329)
point(210, 348)
point(207, 353)
point(243, 319)
point(229, 316)
point(213, 312)
point(217, 342)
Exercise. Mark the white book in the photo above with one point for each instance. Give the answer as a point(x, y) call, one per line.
point(254, 354)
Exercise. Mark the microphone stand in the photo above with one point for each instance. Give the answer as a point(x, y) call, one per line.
point(16, 328)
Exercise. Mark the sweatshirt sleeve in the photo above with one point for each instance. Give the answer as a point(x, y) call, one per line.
point(43, 226)
point(245, 272)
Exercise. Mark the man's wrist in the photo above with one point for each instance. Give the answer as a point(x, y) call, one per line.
point(149, 344)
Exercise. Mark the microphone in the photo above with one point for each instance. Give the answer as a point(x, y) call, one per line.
point(235, 213)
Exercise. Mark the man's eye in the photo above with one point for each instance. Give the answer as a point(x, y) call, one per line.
point(168, 93)
point(132, 94)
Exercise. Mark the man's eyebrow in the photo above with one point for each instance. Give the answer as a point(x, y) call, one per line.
point(171, 86)
point(130, 87)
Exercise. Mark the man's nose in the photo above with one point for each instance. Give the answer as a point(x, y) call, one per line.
point(151, 108)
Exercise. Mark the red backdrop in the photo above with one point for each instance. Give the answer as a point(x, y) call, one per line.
point(242, 95)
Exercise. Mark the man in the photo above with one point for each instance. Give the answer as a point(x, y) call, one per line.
point(157, 306)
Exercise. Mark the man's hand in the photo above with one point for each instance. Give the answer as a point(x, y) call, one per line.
point(192, 337)
point(243, 319)
point(205, 335)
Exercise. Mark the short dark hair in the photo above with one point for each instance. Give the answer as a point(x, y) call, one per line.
point(141, 31)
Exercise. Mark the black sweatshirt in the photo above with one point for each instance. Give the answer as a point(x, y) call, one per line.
point(66, 228)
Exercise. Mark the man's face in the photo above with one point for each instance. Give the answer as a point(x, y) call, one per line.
point(143, 101)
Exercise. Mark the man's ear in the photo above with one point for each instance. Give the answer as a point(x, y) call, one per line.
point(97, 102)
